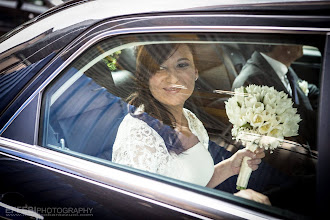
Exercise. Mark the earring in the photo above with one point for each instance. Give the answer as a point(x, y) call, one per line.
point(196, 78)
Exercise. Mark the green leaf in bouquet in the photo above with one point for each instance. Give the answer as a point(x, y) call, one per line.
point(247, 125)
point(245, 91)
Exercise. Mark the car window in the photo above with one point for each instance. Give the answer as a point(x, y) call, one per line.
point(251, 89)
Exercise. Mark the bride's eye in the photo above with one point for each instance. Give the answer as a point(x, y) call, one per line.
point(183, 65)
point(162, 68)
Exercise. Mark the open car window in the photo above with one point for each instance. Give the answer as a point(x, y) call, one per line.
point(84, 107)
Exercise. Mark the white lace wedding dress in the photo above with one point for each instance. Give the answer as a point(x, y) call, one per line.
point(138, 145)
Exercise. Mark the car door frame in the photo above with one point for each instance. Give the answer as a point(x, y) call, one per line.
point(96, 34)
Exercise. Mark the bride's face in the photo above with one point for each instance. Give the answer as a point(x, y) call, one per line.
point(174, 82)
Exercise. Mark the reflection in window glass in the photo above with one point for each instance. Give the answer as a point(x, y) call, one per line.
point(174, 105)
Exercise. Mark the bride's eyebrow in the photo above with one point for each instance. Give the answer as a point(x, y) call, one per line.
point(181, 59)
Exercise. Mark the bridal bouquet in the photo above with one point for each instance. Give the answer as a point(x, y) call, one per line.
point(261, 117)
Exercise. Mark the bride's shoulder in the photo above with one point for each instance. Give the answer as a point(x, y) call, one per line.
point(131, 122)
point(191, 116)
point(139, 127)
point(197, 127)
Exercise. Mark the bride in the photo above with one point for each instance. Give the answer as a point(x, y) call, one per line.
point(161, 136)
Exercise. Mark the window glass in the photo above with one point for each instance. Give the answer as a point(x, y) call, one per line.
point(238, 90)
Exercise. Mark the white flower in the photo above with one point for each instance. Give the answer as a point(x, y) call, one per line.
point(248, 116)
point(282, 118)
point(239, 95)
point(262, 110)
point(257, 120)
point(279, 109)
point(304, 86)
point(291, 111)
point(273, 120)
point(258, 107)
point(244, 111)
point(254, 91)
point(250, 101)
point(234, 131)
point(265, 128)
point(266, 115)
point(290, 129)
point(270, 109)
point(270, 99)
point(276, 132)
point(283, 95)
point(233, 110)
point(283, 104)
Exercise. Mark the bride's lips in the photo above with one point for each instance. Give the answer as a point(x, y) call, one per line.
point(174, 88)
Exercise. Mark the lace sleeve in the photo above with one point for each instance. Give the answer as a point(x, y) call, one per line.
point(138, 145)
point(197, 127)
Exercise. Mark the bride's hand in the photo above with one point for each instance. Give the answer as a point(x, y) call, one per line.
point(237, 158)
point(253, 195)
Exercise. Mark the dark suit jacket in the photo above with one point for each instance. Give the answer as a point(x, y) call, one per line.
point(259, 72)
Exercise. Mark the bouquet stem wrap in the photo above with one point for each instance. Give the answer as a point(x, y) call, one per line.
point(245, 171)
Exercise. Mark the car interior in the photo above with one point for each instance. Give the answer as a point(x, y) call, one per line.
point(83, 107)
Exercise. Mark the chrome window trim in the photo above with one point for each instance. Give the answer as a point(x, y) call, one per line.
point(228, 16)
point(37, 122)
point(213, 14)
point(163, 29)
point(149, 190)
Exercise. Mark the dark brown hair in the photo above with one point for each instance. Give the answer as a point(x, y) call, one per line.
point(148, 61)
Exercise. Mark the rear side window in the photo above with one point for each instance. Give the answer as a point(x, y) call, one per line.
point(14, 78)
point(84, 107)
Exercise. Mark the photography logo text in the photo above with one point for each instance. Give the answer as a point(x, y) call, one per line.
point(51, 211)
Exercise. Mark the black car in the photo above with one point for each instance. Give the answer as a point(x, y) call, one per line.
point(64, 80)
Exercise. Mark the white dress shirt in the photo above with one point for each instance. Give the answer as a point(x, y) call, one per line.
point(281, 71)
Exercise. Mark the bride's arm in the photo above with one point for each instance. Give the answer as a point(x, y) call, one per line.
point(231, 166)
point(138, 145)
point(221, 173)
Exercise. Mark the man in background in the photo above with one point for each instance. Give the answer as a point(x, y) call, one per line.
point(270, 65)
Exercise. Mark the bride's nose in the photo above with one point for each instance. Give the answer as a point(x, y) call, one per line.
point(172, 76)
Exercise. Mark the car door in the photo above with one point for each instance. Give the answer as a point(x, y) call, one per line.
point(75, 113)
